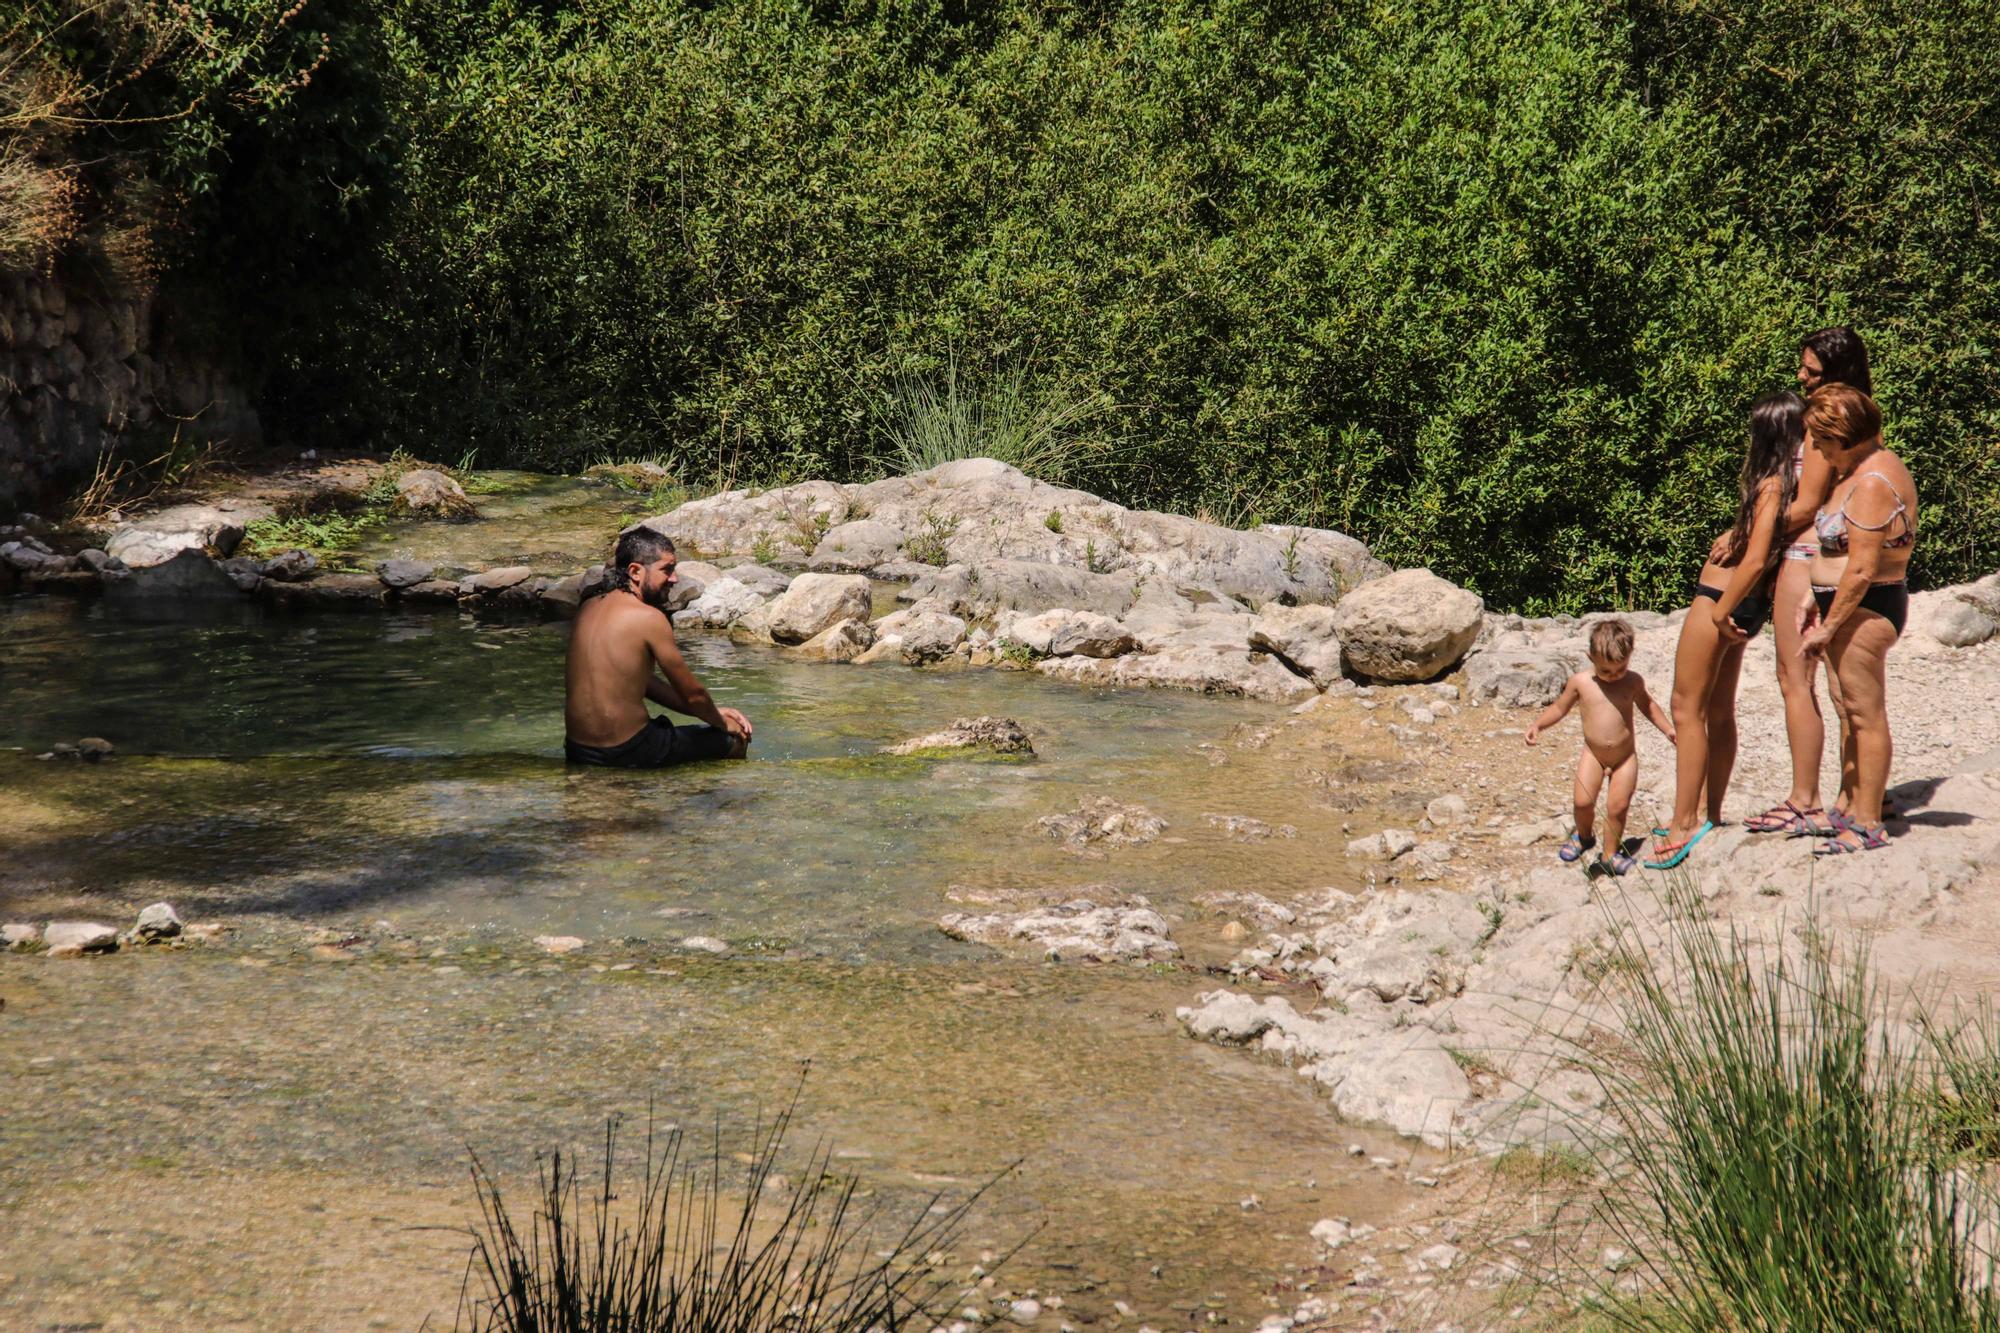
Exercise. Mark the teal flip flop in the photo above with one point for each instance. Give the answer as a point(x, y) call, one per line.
point(1680, 853)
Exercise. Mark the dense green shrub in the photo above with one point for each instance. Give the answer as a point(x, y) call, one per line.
point(1488, 283)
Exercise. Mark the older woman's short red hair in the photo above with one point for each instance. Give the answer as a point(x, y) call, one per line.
point(1843, 414)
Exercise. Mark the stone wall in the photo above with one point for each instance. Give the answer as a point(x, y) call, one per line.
point(84, 373)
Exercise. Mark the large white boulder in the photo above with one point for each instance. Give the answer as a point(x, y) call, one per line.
point(817, 602)
point(1066, 633)
point(1410, 625)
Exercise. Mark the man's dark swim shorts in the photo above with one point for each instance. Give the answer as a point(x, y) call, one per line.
point(659, 744)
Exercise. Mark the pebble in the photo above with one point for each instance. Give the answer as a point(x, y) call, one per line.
point(705, 943)
point(157, 922)
point(1025, 1311)
point(558, 944)
point(19, 935)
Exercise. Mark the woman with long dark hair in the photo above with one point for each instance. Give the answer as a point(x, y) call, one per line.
point(1731, 602)
point(1829, 356)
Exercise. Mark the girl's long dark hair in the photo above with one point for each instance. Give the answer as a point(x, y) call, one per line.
point(1842, 357)
point(1777, 428)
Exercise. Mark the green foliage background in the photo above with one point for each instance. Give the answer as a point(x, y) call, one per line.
point(1489, 284)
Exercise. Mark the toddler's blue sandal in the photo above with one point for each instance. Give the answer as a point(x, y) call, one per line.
point(1573, 848)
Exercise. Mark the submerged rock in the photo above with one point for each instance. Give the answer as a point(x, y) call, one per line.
point(400, 574)
point(1410, 625)
point(1099, 819)
point(1000, 735)
point(1078, 930)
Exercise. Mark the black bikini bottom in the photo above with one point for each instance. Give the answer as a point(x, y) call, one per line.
point(1891, 601)
point(1749, 615)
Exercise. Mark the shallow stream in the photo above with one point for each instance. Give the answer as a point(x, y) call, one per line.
point(398, 776)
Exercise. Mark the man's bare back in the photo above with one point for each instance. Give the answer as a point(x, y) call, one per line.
point(622, 653)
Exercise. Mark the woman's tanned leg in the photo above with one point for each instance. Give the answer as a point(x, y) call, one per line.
point(1836, 691)
point(1695, 662)
point(1858, 656)
point(1805, 727)
point(1722, 726)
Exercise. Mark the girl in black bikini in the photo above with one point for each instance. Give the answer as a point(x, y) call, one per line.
point(1731, 603)
point(1860, 600)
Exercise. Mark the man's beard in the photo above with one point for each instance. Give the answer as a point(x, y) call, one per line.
point(655, 597)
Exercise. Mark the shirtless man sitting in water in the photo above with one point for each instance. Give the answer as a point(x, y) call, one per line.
point(622, 653)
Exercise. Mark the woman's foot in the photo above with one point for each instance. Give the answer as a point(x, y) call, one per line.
point(1574, 847)
point(1790, 819)
point(1668, 853)
point(1854, 837)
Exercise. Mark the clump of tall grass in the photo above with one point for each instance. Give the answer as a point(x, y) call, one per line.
point(927, 420)
point(1781, 1160)
point(686, 1252)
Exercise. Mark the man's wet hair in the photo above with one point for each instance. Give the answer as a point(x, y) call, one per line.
point(1611, 641)
point(637, 545)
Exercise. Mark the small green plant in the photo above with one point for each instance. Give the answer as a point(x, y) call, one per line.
point(808, 528)
point(931, 545)
point(764, 550)
point(381, 492)
point(1093, 562)
point(1554, 1164)
point(1016, 653)
point(1291, 556)
point(676, 1246)
point(1054, 521)
point(1472, 1063)
point(326, 535)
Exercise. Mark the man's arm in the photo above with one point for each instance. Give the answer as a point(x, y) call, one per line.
point(679, 690)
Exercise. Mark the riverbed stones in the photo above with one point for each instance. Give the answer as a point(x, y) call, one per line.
point(1080, 930)
point(490, 581)
point(73, 939)
point(721, 604)
point(1387, 845)
point(1102, 820)
point(1302, 637)
point(291, 566)
point(817, 602)
point(1405, 626)
point(839, 643)
point(157, 922)
point(431, 493)
point(1064, 632)
point(400, 574)
point(160, 537)
point(558, 944)
point(995, 735)
point(1228, 672)
point(925, 636)
point(1517, 677)
point(329, 592)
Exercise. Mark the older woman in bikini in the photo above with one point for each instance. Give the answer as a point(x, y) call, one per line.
point(1860, 600)
point(1829, 356)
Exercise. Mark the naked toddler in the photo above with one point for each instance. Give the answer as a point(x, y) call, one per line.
point(1609, 692)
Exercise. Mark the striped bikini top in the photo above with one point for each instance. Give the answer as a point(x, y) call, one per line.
point(1832, 527)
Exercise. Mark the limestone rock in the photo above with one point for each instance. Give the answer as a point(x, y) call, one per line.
point(1448, 810)
point(158, 538)
point(817, 602)
point(291, 566)
point(1414, 1087)
point(721, 604)
point(1066, 633)
point(244, 572)
point(1389, 844)
point(495, 580)
point(329, 592)
point(705, 944)
point(1518, 677)
point(157, 922)
point(1233, 673)
point(400, 574)
point(1410, 625)
point(840, 643)
point(558, 944)
point(19, 935)
point(72, 939)
point(1078, 930)
point(187, 574)
point(926, 636)
point(431, 493)
point(860, 545)
point(1000, 735)
point(1302, 637)
point(1957, 617)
